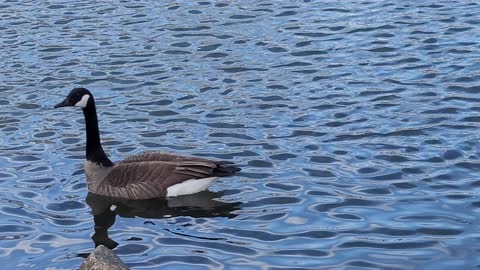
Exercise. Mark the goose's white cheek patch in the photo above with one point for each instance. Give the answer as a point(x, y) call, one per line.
point(83, 102)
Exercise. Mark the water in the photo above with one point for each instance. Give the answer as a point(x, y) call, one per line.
point(355, 122)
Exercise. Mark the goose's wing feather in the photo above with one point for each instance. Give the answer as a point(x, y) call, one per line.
point(149, 179)
point(160, 156)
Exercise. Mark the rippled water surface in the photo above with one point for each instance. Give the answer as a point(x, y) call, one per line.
point(355, 122)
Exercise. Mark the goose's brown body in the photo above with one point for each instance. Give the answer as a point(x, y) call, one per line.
point(151, 174)
point(143, 176)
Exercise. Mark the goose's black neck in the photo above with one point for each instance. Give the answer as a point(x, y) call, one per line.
point(94, 149)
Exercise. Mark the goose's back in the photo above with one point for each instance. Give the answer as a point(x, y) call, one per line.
point(160, 156)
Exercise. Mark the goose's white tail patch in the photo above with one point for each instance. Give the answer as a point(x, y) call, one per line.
point(83, 102)
point(190, 186)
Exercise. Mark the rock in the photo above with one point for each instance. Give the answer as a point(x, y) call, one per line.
point(102, 258)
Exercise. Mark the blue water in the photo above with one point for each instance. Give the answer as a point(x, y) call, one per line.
point(355, 122)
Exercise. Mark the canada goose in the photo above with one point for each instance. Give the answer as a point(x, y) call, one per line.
point(143, 176)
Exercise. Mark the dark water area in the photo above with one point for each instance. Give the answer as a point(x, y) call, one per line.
point(356, 124)
point(199, 205)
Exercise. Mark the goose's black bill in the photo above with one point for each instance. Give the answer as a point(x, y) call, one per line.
point(64, 103)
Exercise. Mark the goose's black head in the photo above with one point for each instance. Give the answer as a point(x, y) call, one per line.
point(78, 97)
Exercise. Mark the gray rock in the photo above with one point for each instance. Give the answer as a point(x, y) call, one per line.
point(102, 258)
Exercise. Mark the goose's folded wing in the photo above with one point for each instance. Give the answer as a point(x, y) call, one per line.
point(159, 156)
point(151, 179)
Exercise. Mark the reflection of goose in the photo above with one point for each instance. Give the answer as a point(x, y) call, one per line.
point(201, 204)
point(143, 176)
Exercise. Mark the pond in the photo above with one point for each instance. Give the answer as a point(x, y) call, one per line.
point(355, 124)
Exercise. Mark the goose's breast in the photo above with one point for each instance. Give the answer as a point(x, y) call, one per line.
point(95, 173)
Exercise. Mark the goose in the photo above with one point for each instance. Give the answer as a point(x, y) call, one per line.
point(142, 176)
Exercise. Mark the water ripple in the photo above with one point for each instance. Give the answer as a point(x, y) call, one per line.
point(356, 131)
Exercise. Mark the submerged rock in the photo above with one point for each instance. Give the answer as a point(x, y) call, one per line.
point(102, 258)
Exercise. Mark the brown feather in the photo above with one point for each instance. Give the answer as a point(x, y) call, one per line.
point(189, 163)
point(193, 174)
point(160, 156)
